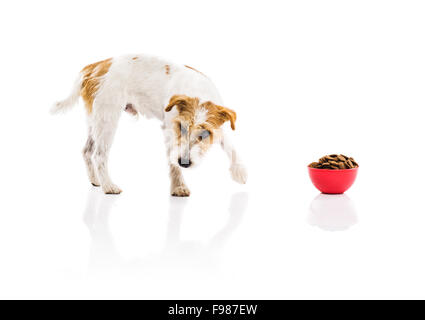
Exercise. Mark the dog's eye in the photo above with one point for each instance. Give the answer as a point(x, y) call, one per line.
point(204, 134)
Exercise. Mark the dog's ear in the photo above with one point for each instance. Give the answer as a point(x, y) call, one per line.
point(181, 101)
point(226, 114)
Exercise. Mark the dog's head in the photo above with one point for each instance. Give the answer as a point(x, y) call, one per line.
point(195, 127)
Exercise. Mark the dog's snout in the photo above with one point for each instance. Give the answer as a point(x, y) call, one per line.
point(185, 163)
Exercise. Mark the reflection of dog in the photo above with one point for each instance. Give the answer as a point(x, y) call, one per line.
point(184, 99)
point(104, 255)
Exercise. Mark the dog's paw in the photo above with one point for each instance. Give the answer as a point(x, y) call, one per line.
point(180, 191)
point(93, 179)
point(111, 189)
point(94, 182)
point(239, 173)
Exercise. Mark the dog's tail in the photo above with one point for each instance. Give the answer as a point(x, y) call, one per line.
point(71, 100)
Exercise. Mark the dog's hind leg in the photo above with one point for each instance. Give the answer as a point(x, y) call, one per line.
point(105, 122)
point(87, 155)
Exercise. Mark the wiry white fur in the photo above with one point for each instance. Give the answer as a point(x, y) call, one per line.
point(71, 100)
point(147, 83)
point(200, 116)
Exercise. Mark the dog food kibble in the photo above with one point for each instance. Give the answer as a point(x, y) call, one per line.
point(334, 162)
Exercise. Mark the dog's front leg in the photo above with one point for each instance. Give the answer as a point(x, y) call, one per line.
point(237, 169)
point(178, 186)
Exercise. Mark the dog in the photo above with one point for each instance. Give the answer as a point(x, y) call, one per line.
point(181, 97)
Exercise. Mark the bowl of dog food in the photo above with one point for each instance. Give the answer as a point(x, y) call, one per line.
point(334, 173)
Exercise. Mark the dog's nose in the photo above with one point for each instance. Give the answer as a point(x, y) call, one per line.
point(185, 163)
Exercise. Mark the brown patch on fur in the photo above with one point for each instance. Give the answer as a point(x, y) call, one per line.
point(167, 69)
point(135, 58)
point(91, 78)
point(187, 106)
point(188, 131)
point(191, 68)
point(217, 115)
point(130, 109)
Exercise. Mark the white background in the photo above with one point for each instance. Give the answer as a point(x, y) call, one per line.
point(306, 78)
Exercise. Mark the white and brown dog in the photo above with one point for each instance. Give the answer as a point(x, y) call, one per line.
point(184, 99)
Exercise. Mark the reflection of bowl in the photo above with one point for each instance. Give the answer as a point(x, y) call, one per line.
point(332, 213)
point(332, 181)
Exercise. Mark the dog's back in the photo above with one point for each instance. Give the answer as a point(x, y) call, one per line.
point(145, 82)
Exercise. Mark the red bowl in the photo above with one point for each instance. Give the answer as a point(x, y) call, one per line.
point(332, 181)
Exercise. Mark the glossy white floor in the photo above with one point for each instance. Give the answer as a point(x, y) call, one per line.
point(306, 80)
point(276, 237)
